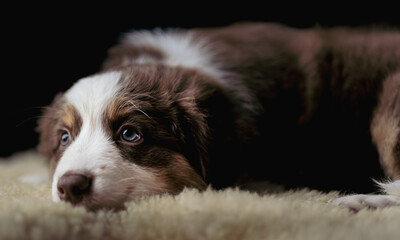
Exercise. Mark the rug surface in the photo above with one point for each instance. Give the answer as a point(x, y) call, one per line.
point(27, 212)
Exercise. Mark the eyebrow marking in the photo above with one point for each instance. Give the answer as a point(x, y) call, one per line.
point(68, 116)
point(123, 106)
point(71, 119)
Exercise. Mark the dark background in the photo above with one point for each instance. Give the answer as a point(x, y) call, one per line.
point(45, 49)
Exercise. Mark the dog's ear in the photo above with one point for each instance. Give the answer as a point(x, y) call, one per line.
point(45, 128)
point(205, 115)
point(193, 129)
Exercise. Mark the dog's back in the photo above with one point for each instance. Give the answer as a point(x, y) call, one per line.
point(318, 90)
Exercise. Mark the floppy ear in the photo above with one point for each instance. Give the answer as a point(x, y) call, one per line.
point(194, 132)
point(46, 128)
point(205, 117)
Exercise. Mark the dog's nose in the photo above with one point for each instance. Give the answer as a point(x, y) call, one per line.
point(72, 187)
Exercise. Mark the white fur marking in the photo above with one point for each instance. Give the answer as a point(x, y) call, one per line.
point(391, 188)
point(179, 49)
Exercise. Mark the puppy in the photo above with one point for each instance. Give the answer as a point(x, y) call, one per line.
point(228, 106)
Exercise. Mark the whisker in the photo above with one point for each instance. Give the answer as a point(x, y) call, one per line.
point(25, 121)
point(28, 114)
point(138, 109)
point(143, 95)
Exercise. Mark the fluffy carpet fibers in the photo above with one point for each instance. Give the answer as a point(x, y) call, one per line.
point(27, 212)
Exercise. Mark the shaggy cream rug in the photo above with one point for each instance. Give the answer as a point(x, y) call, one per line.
point(27, 212)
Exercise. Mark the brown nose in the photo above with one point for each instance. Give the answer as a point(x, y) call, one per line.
point(72, 187)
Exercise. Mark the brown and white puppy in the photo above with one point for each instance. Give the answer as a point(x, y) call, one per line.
point(249, 102)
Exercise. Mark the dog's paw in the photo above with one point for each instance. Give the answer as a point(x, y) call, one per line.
point(357, 202)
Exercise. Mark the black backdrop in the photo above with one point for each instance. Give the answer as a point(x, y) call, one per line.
point(47, 48)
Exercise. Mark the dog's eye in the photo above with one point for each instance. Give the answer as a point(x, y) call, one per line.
point(129, 134)
point(64, 139)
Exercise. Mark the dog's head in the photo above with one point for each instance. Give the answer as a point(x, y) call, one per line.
point(125, 133)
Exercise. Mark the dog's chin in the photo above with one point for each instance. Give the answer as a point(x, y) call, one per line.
point(92, 206)
point(111, 199)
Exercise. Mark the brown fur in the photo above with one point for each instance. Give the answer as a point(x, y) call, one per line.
point(57, 119)
point(297, 110)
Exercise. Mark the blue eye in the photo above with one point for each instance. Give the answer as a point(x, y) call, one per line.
point(129, 134)
point(64, 139)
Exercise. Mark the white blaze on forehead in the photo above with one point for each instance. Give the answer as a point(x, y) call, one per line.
point(92, 147)
point(90, 96)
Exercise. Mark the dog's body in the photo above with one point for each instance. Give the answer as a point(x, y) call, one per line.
point(249, 102)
